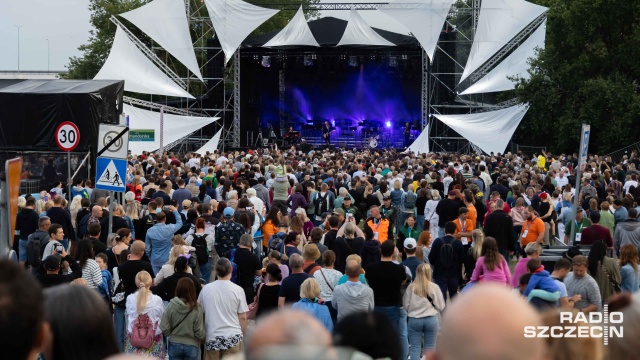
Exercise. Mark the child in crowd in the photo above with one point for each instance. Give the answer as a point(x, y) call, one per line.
point(542, 290)
point(106, 289)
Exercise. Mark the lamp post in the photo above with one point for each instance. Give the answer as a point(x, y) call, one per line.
point(18, 27)
point(48, 57)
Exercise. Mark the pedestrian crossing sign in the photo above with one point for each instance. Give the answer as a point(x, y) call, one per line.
point(111, 174)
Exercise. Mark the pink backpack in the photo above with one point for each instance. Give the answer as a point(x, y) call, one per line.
point(143, 332)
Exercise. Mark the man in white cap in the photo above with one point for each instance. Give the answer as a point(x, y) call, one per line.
point(411, 262)
point(258, 204)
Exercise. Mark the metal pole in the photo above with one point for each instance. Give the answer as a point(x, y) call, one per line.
point(161, 131)
point(576, 198)
point(48, 57)
point(18, 27)
point(5, 232)
point(111, 207)
point(69, 181)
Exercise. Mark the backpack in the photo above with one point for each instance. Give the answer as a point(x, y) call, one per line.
point(200, 243)
point(446, 255)
point(234, 273)
point(33, 251)
point(83, 228)
point(410, 201)
point(276, 240)
point(143, 332)
point(321, 203)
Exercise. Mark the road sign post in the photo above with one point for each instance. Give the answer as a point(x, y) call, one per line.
point(68, 138)
point(585, 134)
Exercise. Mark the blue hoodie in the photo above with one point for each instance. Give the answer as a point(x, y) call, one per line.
point(540, 280)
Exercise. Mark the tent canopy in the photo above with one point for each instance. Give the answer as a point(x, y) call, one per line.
point(329, 30)
point(30, 111)
point(295, 33)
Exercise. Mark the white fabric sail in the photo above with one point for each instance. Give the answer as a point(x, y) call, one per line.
point(421, 144)
point(490, 131)
point(500, 21)
point(175, 127)
point(126, 62)
point(358, 32)
point(165, 21)
point(515, 65)
point(211, 145)
point(234, 20)
point(296, 32)
point(424, 19)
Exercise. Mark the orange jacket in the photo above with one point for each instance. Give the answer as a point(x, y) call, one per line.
point(383, 228)
point(268, 229)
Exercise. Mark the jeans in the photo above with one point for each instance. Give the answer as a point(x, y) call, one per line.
point(205, 271)
point(505, 254)
point(182, 351)
point(422, 328)
point(22, 250)
point(398, 317)
point(118, 323)
point(420, 222)
point(440, 232)
point(448, 284)
point(333, 312)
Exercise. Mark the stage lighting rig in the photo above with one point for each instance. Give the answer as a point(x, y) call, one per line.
point(266, 61)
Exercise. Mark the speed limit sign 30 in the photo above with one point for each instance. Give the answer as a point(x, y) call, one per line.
point(67, 136)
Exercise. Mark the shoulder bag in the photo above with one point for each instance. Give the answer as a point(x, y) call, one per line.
point(253, 307)
point(616, 286)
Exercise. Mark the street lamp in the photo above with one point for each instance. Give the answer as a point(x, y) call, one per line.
point(18, 27)
point(48, 57)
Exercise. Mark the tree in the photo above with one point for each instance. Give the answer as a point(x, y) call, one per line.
point(588, 72)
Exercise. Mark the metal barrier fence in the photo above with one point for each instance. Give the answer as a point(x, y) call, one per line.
point(617, 155)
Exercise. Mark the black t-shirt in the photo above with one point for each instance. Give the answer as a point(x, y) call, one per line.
point(345, 247)
point(544, 209)
point(290, 288)
point(268, 299)
point(330, 239)
point(128, 271)
point(447, 210)
point(385, 279)
point(248, 263)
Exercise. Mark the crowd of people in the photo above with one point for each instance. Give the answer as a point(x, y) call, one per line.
point(374, 254)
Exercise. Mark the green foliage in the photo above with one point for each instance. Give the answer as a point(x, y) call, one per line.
point(587, 72)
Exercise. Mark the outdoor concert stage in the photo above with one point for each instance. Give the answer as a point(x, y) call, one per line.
point(367, 93)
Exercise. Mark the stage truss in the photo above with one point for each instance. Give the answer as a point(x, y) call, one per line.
point(463, 19)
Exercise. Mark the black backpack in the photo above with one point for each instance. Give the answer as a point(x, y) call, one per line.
point(34, 252)
point(446, 255)
point(410, 201)
point(321, 203)
point(200, 243)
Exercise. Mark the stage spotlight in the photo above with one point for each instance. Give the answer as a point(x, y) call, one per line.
point(333, 123)
point(388, 124)
point(266, 61)
point(308, 61)
point(353, 61)
point(393, 61)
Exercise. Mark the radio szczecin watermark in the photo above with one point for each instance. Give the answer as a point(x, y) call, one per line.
point(604, 325)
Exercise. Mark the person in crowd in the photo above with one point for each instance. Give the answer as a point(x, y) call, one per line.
point(270, 225)
point(327, 278)
point(94, 237)
point(580, 282)
point(410, 229)
point(158, 239)
point(268, 299)
point(500, 226)
point(59, 268)
point(183, 322)
point(275, 257)
point(430, 214)
point(60, 216)
point(446, 258)
point(491, 266)
point(315, 237)
point(249, 265)
point(119, 222)
point(423, 302)
point(290, 287)
point(166, 288)
point(41, 237)
point(541, 291)
point(472, 255)
point(380, 224)
point(168, 269)
point(385, 279)
point(121, 242)
point(561, 268)
point(309, 296)
point(225, 307)
point(54, 244)
point(144, 309)
point(349, 240)
point(533, 250)
point(627, 231)
point(91, 272)
point(604, 270)
point(463, 333)
point(228, 233)
point(352, 296)
point(26, 224)
point(532, 228)
point(411, 262)
point(580, 223)
point(629, 277)
point(606, 217)
point(447, 210)
point(596, 232)
point(80, 324)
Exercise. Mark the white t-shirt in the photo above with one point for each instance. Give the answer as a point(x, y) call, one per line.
point(154, 308)
point(628, 184)
point(221, 302)
point(332, 276)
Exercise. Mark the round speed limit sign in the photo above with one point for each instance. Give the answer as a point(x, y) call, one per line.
point(67, 136)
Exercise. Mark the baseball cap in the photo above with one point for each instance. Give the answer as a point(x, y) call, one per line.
point(338, 211)
point(186, 203)
point(52, 262)
point(579, 209)
point(543, 195)
point(228, 212)
point(410, 243)
point(347, 198)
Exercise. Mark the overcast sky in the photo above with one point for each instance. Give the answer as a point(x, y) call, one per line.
point(66, 24)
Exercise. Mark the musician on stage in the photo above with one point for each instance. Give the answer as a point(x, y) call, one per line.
point(326, 133)
point(407, 134)
point(291, 137)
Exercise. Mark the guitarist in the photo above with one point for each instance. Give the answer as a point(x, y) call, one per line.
point(407, 134)
point(326, 133)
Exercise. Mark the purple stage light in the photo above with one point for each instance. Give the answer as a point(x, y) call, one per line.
point(388, 124)
point(333, 123)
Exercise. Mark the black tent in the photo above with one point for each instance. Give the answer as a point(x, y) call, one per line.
point(30, 111)
point(329, 30)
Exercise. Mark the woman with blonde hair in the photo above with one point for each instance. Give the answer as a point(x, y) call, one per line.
point(307, 224)
point(477, 236)
point(423, 301)
point(310, 303)
point(168, 269)
point(491, 266)
point(297, 226)
point(76, 205)
point(141, 303)
point(629, 269)
point(430, 214)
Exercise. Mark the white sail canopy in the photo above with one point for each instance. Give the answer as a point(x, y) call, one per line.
point(491, 131)
point(358, 32)
point(296, 32)
point(515, 65)
point(500, 21)
point(126, 62)
point(211, 145)
point(175, 127)
point(421, 144)
point(424, 19)
point(234, 20)
point(165, 21)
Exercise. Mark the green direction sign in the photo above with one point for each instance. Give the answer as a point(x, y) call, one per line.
point(142, 135)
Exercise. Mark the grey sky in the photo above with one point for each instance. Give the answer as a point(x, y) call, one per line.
point(66, 24)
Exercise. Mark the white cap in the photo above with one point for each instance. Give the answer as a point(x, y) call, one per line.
point(410, 243)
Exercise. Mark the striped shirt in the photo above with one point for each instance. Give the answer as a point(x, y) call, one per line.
point(92, 274)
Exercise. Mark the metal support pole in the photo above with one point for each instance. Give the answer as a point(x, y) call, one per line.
point(576, 197)
point(70, 180)
point(5, 232)
point(161, 131)
point(111, 207)
point(18, 27)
